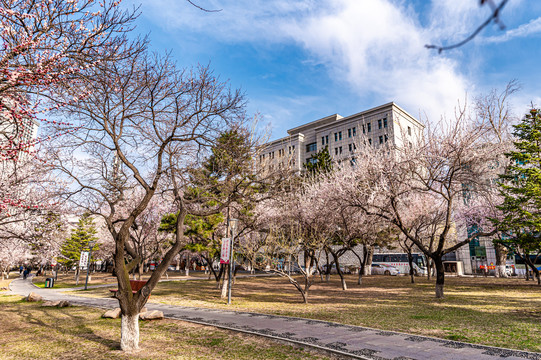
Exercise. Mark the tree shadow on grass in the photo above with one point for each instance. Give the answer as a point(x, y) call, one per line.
point(63, 321)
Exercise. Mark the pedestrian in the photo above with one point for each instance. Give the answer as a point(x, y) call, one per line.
point(25, 273)
point(21, 268)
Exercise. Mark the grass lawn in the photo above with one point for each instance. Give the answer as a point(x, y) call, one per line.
point(68, 280)
point(64, 281)
point(490, 311)
point(5, 283)
point(30, 331)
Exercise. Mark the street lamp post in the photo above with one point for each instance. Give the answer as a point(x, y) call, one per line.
point(90, 245)
point(233, 226)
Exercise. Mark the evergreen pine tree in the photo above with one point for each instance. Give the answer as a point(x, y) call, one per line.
point(320, 162)
point(81, 235)
point(520, 187)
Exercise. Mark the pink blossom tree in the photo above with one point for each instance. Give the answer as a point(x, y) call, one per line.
point(44, 45)
point(421, 190)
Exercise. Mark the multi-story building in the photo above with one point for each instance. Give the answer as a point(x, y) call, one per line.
point(17, 138)
point(384, 125)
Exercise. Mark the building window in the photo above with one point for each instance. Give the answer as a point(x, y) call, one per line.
point(335, 151)
point(327, 139)
point(311, 147)
point(350, 148)
point(379, 124)
point(409, 131)
point(349, 132)
point(386, 137)
point(340, 149)
point(385, 122)
point(311, 161)
point(370, 141)
point(339, 135)
point(369, 127)
point(381, 139)
point(354, 131)
point(323, 140)
point(364, 132)
point(335, 136)
point(273, 154)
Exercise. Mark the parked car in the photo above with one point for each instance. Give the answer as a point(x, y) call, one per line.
point(344, 269)
point(383, 269)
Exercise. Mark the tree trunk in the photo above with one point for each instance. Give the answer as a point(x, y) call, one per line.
point(140, 271)
point(187, 265)
point(410, 261)
point(501, 257)
point(304, 297)
point(369, 251)
point(531, 264)
point(429, 267)
point(328, 268)
point(225, 284)
point(339, 271)
point(129, 332)
point(440, 276)
point(362, 266)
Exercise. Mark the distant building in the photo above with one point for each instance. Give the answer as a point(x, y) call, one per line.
point(385, 125)
point(15, 136)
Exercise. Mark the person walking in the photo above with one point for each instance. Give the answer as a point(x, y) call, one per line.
point(25, 273)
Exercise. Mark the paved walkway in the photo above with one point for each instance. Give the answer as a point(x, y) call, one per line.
point(350, 341)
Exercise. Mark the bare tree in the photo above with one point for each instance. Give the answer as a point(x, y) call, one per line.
point(143, 126)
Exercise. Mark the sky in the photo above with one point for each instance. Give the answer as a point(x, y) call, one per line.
point(301, 60)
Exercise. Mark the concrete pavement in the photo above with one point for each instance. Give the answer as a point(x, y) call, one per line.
point(350, 341)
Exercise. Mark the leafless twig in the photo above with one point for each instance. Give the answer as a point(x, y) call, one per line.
point(494, 17)
point(202, 8)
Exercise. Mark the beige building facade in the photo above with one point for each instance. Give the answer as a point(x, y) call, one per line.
point(385, 125)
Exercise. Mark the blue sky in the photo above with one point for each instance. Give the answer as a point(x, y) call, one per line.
point(300, 60)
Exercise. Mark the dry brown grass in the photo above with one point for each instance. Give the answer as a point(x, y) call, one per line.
point(98, 278)
point(33, 332)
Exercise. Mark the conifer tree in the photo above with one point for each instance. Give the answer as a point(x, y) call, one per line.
point(520, 187)
point(319, 163)
point(81, 235)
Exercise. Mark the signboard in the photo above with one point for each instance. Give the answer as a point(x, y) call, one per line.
point(83, 260)
point(224, 255)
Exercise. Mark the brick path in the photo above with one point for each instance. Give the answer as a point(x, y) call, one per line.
point(351, 341)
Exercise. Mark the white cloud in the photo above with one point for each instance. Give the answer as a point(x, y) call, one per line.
point(533, 27)
point(375, 47)
point(378, 48)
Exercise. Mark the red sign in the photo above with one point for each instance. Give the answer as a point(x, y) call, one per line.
point(226, 250)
